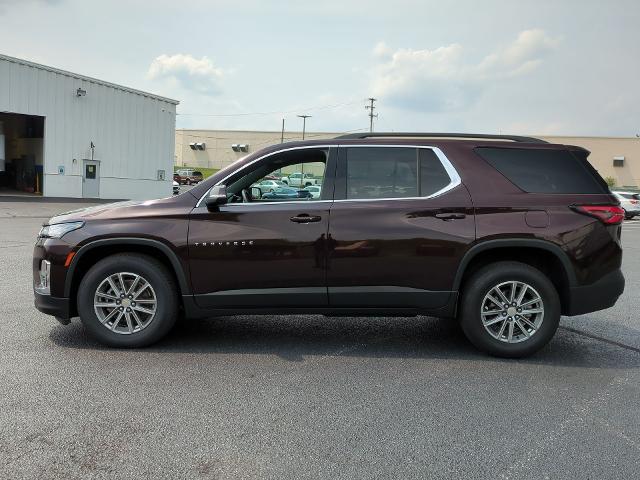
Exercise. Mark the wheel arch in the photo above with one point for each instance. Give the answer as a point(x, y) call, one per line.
point(89, 253)
point(543, 255)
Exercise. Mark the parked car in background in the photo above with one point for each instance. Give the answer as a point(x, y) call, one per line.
point(630, 201)
point(286, 192)
point(176, 188)
point(267, 186)
point(187, 176)
point(315, 190)
point(299, 179)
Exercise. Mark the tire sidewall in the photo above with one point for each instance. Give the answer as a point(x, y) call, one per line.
point(150, 270)
point(480, 284)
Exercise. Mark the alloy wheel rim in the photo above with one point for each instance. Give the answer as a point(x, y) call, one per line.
point(125, 303)
point(512, 312)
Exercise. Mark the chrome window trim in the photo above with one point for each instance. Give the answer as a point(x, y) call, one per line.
point(448, 166)
point(306, 202)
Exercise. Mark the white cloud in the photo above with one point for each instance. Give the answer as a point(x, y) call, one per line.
point(191, 73)
point(382, 50)
point(440, 79)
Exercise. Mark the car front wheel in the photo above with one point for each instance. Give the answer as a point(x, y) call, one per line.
point(509, 309)
point(128, 300)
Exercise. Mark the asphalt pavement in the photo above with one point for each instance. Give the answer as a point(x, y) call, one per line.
point(311, 397)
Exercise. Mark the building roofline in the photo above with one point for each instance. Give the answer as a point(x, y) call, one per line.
point(77, 76)
point(278, 132)
point(589, 137)
point(313, 132)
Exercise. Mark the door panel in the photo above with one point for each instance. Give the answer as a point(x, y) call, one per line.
point(400, 252)
point(264, 252)
point(255, 256)
point(91, 179)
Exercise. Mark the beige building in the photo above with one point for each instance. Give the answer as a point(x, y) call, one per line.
point(617, 157)
point(219, 148)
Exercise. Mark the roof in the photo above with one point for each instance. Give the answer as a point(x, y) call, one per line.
point(46, 68)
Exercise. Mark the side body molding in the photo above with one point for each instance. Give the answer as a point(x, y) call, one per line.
point(185, 287)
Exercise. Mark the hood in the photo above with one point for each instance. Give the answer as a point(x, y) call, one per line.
point(125, 209)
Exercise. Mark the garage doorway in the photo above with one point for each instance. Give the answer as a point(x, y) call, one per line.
point(91, 179)
point(21, 153)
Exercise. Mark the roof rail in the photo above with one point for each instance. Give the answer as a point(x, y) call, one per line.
point(513, 138)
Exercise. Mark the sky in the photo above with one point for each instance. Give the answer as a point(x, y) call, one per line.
point(562, 67)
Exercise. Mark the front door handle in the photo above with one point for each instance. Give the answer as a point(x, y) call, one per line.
point(450, 216)
point(304, 218)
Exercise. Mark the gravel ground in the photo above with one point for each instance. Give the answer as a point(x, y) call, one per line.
point(311, 397)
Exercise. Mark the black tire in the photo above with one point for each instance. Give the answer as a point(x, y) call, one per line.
point(481, 282)
point(155, 273)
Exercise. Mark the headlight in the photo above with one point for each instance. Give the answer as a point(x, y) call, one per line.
point(57, 230)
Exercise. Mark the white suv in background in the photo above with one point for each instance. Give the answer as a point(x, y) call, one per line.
point(300, 179)
point(630, 201)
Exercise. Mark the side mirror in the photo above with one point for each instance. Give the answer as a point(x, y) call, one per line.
point(217, 196)
point(256, 193)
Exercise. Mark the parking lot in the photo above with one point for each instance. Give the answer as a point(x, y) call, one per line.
point(311, 397)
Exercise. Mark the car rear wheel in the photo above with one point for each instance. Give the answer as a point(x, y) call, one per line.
point(128, 300)
point(509, 309)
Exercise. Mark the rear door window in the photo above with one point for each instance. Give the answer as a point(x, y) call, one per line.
point(390, 172)
point(543, 170)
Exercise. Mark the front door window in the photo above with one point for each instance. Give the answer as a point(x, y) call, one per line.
point(290, 176)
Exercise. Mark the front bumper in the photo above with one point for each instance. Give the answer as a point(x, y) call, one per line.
point(56, 306)
point(600, 295)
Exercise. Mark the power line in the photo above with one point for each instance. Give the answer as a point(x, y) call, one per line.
point(371, 109)
point(247, 114)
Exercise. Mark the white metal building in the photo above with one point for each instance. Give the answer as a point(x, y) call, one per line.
point(67, 135)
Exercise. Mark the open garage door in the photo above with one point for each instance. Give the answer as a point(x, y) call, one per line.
point(21, 153)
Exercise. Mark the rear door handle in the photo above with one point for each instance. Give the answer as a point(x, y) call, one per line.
point(450, 216)
point(304, 218)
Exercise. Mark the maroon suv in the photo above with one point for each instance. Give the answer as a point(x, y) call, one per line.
point(503, 233)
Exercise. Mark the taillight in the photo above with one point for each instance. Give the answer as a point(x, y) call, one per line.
point(633, 202)
point(607, 214)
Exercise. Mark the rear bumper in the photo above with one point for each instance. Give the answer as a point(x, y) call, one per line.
point(56, 306)
point(600, 295)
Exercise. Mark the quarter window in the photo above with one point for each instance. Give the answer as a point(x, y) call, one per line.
point(544, 170)
point(389, 172)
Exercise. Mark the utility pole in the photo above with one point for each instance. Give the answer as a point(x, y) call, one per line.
point(371, 109)
point(304, 123)
point(282, 134)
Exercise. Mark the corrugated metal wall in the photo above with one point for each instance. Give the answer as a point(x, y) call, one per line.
point(134, 135)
